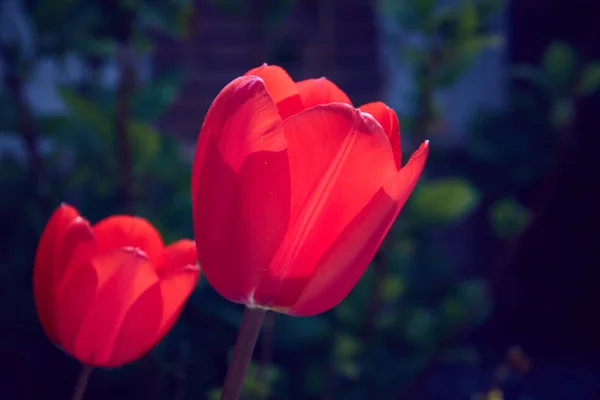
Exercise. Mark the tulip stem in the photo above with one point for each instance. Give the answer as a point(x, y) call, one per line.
point(242, 353)
point(82, 382)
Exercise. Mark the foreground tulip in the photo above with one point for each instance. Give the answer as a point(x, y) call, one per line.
point(294, 189)
point(108, 293)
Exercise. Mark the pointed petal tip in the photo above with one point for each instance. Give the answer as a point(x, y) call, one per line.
point(424, 147)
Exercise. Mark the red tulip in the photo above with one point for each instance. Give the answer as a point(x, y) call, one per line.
point(294, 189)
point(108, 293)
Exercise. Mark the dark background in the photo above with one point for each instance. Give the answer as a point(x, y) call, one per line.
point(486, 285)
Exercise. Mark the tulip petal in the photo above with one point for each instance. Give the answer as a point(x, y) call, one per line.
point(176, 288)
point(346, 260)
point(78, 246)
point(137, 333)
point(44, 265)
point(281, 87)
point(96, 299)
point(176, 255)
point(321, 91)
point(127, 231)
point(151, 317)
point(401, 186)
point(240, 188)
point(388, 120)
point(339, 158)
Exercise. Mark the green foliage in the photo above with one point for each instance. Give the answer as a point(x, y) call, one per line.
point(85, 111)
point(563, 79)
point(443, 201)
point(257, 384)
point(560, 64)
point(422, 298)
point(590, 79)
point(446, 41)
point(508, 217)
point(421, 328)
point(153, 99)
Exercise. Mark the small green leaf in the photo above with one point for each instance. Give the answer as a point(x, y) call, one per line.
point(392, 288)
point(488, 9)
point(453, 314)
point(424, 8)
point(590, 79)
point(154, 98)
point(560, 64)
point(508, 217)
point(468, 20)
point(347, 346)
point(444, 201)
point(421, 327)
point(145, 141)
point(87, 112)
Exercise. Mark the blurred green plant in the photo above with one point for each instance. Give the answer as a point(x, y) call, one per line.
point(440, 43)
point(562, 78)
point(508, 217)
point(443, 201)
point(405, 309)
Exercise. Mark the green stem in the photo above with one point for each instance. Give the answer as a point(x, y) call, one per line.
point(82, 382)
point(242, 353)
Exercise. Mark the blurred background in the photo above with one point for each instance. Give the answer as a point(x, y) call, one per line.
point(486, 288)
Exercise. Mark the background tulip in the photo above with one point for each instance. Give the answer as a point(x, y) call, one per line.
point(108, 293)
point(294, 189)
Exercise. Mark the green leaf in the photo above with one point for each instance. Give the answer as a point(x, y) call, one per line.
point(508, 217)
point(421, 327)
point(559, 64)
point(444, 201)
point(347, 346)
point(407, 14)
point(392, 288)
point(255, 387)
point(590, 79)
point(453, 314)
point(468, 20)
point(488, 9)
point(459, 58)
point(145, 141)
point(87, 112)
point(155, 97)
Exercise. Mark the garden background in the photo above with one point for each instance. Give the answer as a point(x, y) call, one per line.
point(487, 285)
